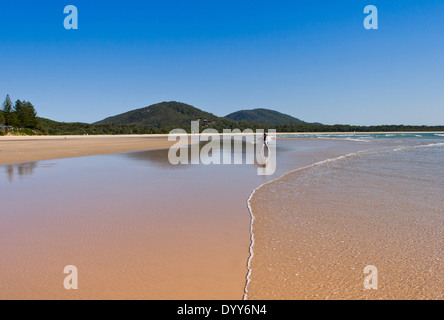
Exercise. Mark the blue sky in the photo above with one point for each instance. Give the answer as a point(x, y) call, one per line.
point(311, 59)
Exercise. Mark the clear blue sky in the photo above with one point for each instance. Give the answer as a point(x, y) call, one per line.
point(311, 59)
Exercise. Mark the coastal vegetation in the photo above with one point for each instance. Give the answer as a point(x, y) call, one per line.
point(21, 118)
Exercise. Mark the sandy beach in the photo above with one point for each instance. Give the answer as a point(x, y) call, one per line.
point(138, 227)
point(241, 152)
point(15, 149)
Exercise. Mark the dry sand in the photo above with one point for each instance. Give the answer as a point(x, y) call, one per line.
point(15, 149)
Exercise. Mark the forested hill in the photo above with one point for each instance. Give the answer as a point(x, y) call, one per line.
point(264, 116)
point(164, 114)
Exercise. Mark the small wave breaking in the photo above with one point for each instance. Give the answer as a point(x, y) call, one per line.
point(252, 218)
point(440, 144)
point(316, 164)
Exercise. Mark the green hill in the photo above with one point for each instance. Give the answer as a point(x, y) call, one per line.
point(264, 116)
point(164, 114)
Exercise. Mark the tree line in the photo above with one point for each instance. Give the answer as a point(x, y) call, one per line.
point(21, 114)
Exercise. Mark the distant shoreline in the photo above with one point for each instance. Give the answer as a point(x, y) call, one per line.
point(17, 149)
point(361, 132)
point(49, 137)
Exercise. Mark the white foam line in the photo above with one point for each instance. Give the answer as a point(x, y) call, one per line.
point(420, 146)
point(357, 139)
point(343, 139)
point(252, 218)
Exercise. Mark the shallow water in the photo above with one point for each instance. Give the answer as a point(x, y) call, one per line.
point(138, 227)
point(321, 226)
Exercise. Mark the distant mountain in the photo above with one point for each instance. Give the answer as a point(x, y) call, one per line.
point(263, 116)
point(164, 114)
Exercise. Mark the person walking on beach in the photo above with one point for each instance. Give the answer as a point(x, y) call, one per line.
point(265, 138)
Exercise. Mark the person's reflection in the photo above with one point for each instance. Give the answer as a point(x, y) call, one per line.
point(10, 171)
point(22, 169)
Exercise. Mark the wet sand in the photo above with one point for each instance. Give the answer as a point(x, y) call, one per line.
point(138, 227)
point(317, 228)
point(15, 149)
point(134, 225)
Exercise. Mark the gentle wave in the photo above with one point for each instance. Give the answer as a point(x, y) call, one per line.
point(316, 164)
point(365, 136)
point(440, 144)
point(252, 218)
point(341, 138)
point(357, 139)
